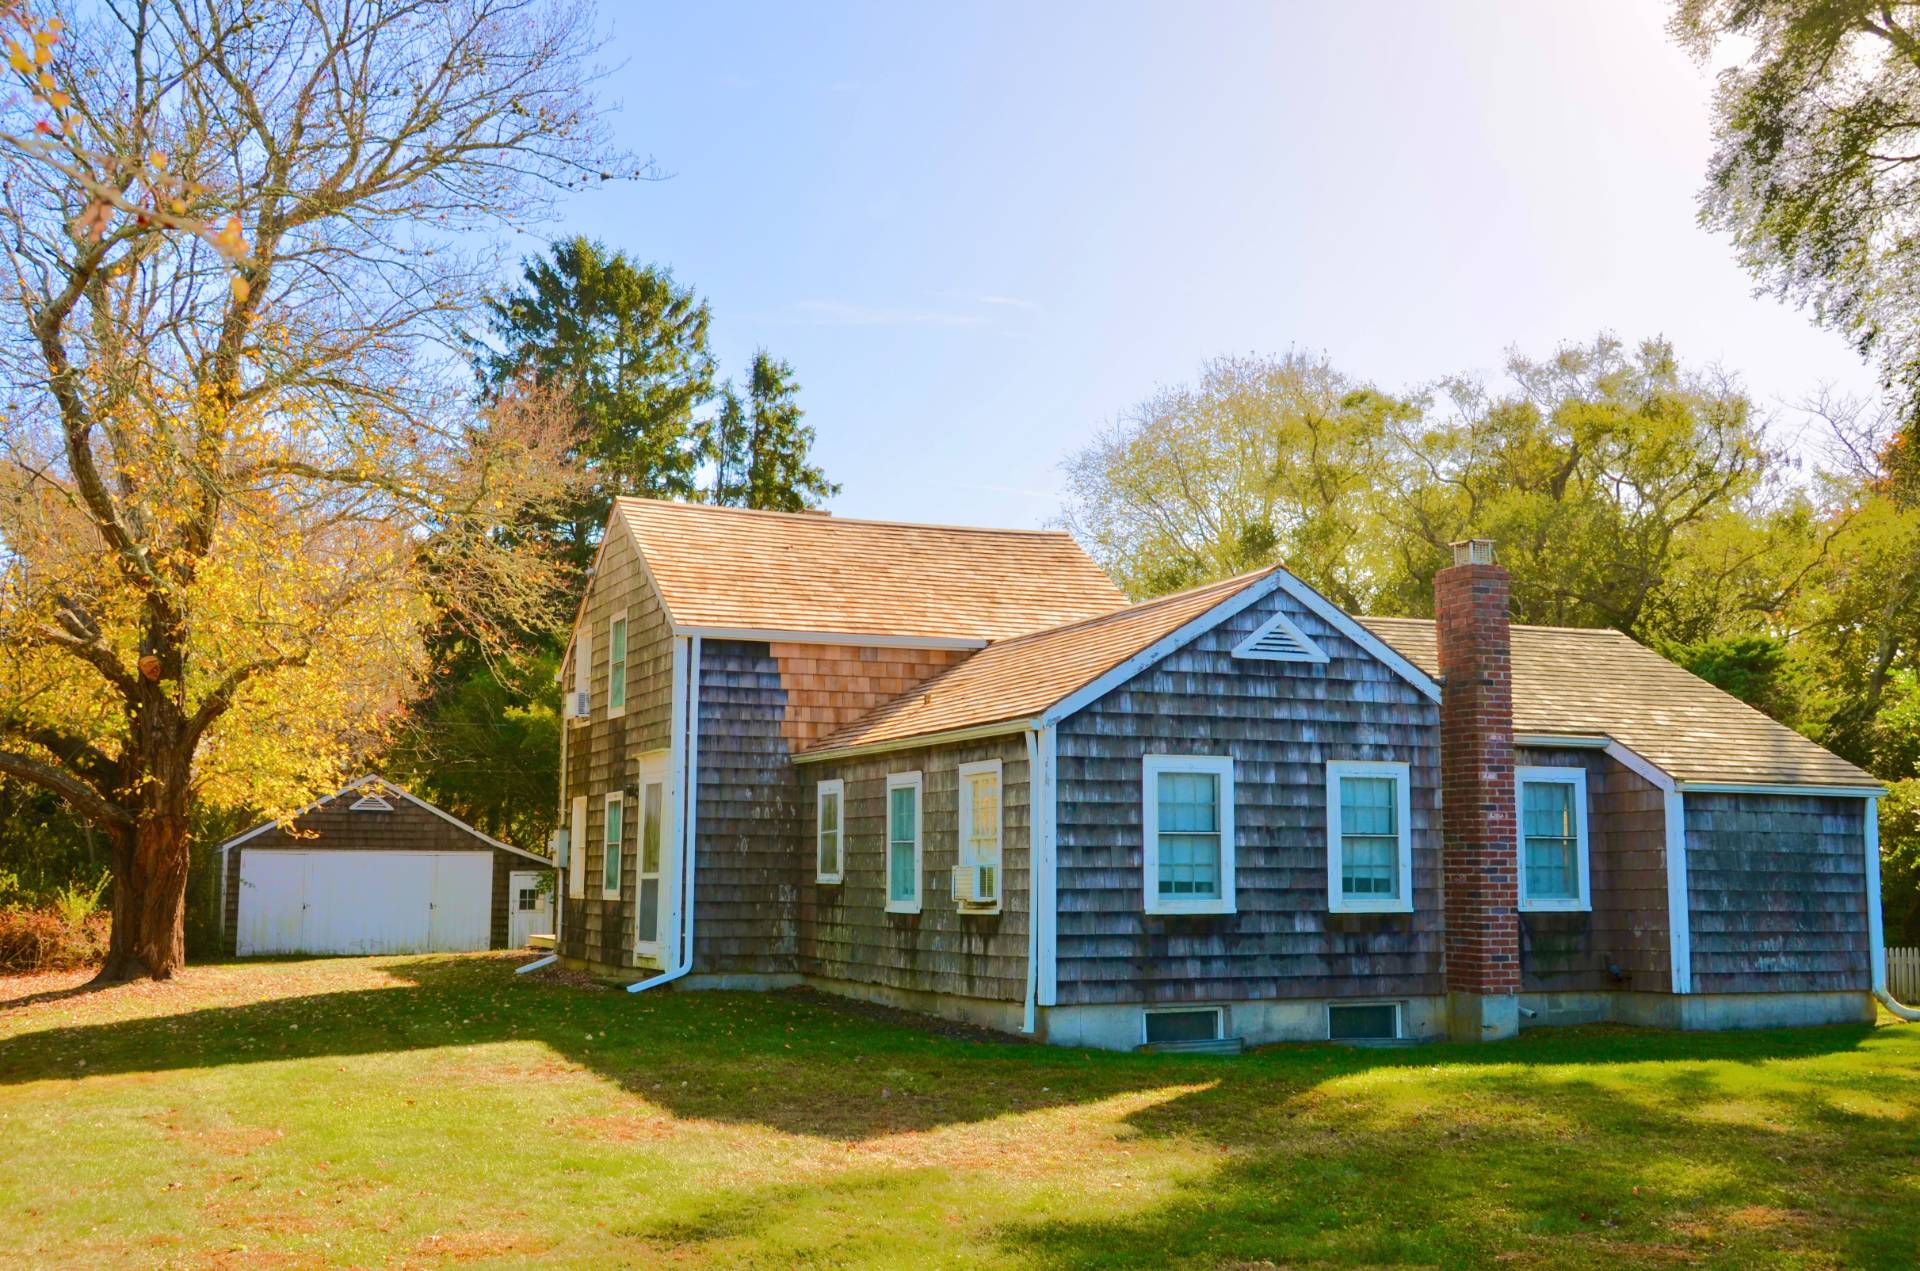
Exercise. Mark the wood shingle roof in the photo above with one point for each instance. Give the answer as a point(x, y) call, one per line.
point(736, 569)
point(1018, 678)
point(1578, 682)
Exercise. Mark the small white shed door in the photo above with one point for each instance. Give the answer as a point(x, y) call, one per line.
point(364, 902)
point(529, 911)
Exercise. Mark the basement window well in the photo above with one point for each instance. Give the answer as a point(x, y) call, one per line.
point(1203, 1024)
point(1363, 1021)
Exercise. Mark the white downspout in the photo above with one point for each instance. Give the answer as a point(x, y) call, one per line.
point(689, 795)
point(1876, 929)
point(1028, 1019)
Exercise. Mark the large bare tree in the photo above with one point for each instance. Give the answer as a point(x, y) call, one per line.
point(236, 471)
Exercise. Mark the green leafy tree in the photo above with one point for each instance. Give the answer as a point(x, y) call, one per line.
point(627, 346)
point(1816, 171)
point(1264, 459)
point(762, 451)
point(1607, 476)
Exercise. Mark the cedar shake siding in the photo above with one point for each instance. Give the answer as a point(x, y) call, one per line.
point(1776, 887)
point(335, 827)
point(1626, 837)
point(749, 841)
point(846, 932)
point(758, 703)
point(1280, 722)
point(602, 753)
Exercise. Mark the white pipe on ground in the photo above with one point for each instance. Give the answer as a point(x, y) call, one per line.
point(1905, 1012)
point(536, 964)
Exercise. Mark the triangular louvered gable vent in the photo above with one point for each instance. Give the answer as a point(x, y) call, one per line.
point(1278, 640)
point(371, 803)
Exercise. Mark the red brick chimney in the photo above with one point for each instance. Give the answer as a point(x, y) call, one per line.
point(1479, 860)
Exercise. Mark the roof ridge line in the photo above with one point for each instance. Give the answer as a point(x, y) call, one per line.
point(830, 519)
point(1127, 610)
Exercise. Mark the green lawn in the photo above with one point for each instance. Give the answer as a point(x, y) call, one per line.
point(433, 1111)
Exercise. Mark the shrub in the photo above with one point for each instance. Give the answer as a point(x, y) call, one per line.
point(34, 940)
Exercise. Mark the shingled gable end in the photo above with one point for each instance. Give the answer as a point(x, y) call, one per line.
point(953, 770)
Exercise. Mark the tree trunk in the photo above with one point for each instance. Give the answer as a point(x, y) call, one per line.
point(149, 902)
point(150, 878)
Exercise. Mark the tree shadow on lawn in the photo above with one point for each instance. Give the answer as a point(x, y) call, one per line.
point(793, 1063)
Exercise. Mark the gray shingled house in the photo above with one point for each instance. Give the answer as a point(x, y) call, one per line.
point(953, 770)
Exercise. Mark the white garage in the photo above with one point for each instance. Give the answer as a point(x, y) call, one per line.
point(364, 902)
point(372, 869)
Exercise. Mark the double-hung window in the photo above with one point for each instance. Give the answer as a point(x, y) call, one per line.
point(1187, 818)
point(610, 854)
point(903, 843)
point(1369, 837)
point(617, 667)
point(977, 886)
point(829, 801)
point(1553, 838)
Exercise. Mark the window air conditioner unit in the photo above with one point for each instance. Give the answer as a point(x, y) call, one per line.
point(579, 705)
point(557, 846)
point(976, 886)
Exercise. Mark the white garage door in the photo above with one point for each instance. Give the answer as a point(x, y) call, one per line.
point(364, 902)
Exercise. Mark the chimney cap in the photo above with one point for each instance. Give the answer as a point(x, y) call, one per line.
point(1473, 551)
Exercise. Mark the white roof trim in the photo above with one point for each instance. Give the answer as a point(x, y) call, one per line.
point(1278, 580)
point(1344, 623)
point(1307, 651)
point(999, 729)
point(855, 639)
point(1561, 741)
point(1635, 763)
point(387, 787)
point(1828, 792)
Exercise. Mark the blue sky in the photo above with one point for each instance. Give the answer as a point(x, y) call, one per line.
point(980, 232)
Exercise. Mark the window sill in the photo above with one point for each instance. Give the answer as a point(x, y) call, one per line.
point(977, 911)
point(606, 895)
point(577, 720)
point(616, 712)
point(1202, 908)
point(1361, 907)
point(1556, 907)
point(903, 907)
point(829, 881)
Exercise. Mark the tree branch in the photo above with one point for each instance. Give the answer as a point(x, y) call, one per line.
point(82, 799)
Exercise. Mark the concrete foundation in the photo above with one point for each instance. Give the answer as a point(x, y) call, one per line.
point(1700, 1012)
point(1482, 1017)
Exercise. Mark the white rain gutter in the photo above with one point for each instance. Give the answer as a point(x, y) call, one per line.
point(689, 712)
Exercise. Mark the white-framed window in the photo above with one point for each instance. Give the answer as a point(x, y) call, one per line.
point(614, 838)
point(1369, 837)
point(617, 666)
point(583, 673)
point(829, 810)
point(1552, 808)
point(1187, 819)
point(577, 849)
point(904, 865)
point(652, 843)
point(981, 837)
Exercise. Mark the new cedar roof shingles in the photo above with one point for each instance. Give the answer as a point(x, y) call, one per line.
point(1017, 678)
point(800, 572)
point(1577, 682)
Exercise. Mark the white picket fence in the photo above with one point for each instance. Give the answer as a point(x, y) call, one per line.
point(1903, 974)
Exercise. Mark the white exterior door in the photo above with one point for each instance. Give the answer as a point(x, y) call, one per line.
point(653, 862)
point(528, 909)
point(364, 902)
